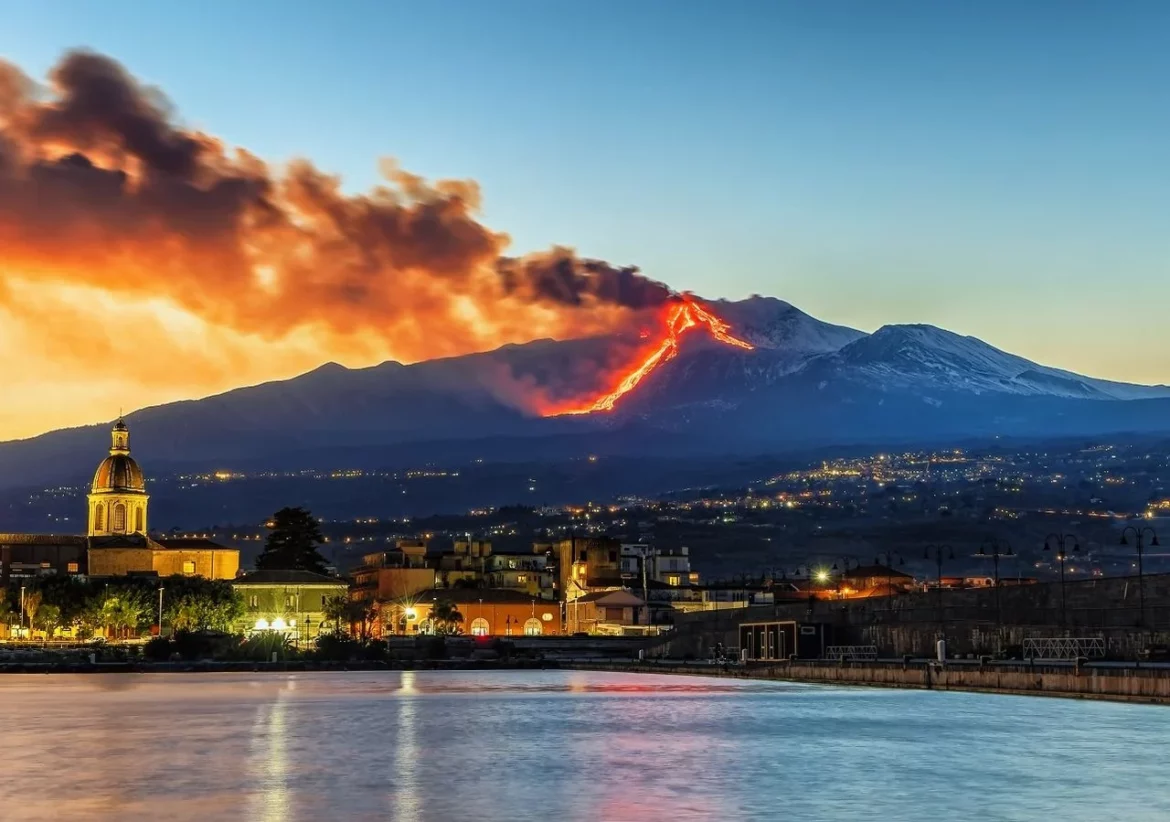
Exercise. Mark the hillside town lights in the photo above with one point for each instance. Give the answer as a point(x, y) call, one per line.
point(1139, 535)
point(1061, 542)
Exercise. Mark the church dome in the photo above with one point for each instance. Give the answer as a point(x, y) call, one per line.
point(118, 472)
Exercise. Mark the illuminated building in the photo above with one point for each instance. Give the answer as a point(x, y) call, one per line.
point(116, 542)
point(485, 612)
point(118, 498)
point(289, 602)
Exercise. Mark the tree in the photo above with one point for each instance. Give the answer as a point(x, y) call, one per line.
point(292, 543)
point(48, 618)
point(122, 610)
point(446, 617)
point(32, 604)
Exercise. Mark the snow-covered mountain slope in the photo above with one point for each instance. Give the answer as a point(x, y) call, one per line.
point(926, 358)
point(773, 324)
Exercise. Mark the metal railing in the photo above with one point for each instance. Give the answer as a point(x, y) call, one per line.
point(852, 653)
point(1064, 648)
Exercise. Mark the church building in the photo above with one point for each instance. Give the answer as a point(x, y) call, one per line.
point(116, 542)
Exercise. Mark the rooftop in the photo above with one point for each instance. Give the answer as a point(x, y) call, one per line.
point(286, 578)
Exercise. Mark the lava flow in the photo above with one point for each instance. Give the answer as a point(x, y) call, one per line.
point(680, 318)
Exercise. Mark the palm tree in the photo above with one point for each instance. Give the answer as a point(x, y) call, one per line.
point(32, 604)
point(336, 610)
point(446, 617)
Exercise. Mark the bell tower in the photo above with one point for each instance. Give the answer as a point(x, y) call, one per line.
point(118, 498)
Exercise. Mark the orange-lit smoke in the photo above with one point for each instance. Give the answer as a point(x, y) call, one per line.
point(144, 260)
point(678, 319)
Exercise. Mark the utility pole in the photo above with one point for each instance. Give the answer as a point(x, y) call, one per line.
point(1140, 534)
point(939, 552)
point(1061, 542)
point(645, 585)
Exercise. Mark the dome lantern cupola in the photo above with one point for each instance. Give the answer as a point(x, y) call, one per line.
point(118, 498)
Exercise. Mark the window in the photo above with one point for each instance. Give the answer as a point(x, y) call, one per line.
point(532, 627)
point(290, 600)
point(254, 601)
point(672, 580)
point(324, 599)
point(72, 567)
point(188, 567)
point(139, 524)
point(99, 518)
point(118, 520)
point(521, 579)
point(479, 627)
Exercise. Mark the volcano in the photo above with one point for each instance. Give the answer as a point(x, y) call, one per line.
point(753, 376)
point(678, 319)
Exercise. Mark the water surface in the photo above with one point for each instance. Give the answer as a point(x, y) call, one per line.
point(562, 745)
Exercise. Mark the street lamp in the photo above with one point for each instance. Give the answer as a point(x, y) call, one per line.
point(995, 549)
point(889, 557)
point(1140, 536)
point(1061, 542)
point(939, 552)
point(844, 569)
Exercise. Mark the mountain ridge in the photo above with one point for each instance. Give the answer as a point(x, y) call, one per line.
point(805, 380)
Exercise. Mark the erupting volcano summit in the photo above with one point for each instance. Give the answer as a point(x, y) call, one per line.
point(680, 317)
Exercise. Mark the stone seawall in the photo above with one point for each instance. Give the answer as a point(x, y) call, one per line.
point(1121, 684)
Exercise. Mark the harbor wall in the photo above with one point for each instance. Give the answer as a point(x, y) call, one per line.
point(1122, 684)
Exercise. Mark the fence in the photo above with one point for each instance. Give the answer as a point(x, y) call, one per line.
point(852, 653)
point(1064, 648)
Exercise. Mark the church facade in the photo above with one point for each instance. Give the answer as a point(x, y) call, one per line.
point(116, 542)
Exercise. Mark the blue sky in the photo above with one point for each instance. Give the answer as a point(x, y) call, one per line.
point(998, 168)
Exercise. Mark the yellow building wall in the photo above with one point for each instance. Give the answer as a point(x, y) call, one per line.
point(220, 563)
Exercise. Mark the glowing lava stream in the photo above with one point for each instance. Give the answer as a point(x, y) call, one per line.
point(679, 319)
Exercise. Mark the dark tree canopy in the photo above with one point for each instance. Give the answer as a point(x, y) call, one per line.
point(292, 543)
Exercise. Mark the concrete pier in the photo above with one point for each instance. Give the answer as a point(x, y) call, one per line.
point(1121, 683)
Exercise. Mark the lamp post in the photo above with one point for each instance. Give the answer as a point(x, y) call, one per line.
point(1140, 536)
point(844, 569)
point(995, 549)
point(1061, 542)
point(939, 553)
point(889, 557)
point(22, 611)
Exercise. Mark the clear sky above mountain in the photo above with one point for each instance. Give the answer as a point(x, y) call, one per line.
point(1000, 169)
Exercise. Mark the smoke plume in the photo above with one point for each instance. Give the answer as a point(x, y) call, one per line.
point(108, 201)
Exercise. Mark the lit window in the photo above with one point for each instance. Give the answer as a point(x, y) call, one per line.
point(118, 524)
point(532, 627)
point(672, 580)
point(521, 579)
point(72, 567)
point(479, 627)
point(254, 601)
point(188, 567)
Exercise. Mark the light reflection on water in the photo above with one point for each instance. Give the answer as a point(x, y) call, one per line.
point(561, 745)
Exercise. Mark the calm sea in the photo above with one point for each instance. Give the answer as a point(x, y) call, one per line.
point(561, 745)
